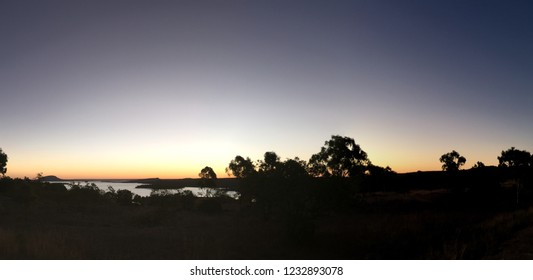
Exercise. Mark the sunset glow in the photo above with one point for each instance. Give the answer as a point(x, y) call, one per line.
point(143, 89)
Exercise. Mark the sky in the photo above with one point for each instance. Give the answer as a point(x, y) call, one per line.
point(141, 89)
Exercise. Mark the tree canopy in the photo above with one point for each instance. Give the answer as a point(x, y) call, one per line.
point(452, 161)
point(293, 168)
point(208, 177)
point(339, 157)
point(270, 163)
point(3, 162)
point(241, 167)
point(207, 173)
point(513, 158)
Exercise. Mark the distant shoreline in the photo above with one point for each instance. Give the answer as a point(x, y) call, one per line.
point(52, 178)
point(156, 183)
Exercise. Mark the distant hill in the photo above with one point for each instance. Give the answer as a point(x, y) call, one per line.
point(51, 178)
point(144, 181)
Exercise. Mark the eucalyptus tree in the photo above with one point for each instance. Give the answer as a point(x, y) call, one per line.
point(3, 162)
point(241, 167)
point(514, 158)
point(339, 157)
point(207, 177)
point(270, 164)
point(452, 161)
point(519, 163)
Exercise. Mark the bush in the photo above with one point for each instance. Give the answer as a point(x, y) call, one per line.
point(124, 197)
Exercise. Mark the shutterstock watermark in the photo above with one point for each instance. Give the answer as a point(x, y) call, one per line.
point(232, 271)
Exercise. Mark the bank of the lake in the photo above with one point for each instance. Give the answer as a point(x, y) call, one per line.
point(144, 190)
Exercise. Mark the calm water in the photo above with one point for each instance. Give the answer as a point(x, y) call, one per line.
point(115, 185)
point(143, 192)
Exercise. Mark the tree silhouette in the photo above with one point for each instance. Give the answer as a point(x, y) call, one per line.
point(479, 164)
point(339, 157)
point(207, 177)
point(240, 167)
point(317, 166)
point(293, 168)
point(124, 197)
point(207, 173)
point(3, 162)
point(270, 164)
point(452, 161)
point(519, 161)
point(514, 158)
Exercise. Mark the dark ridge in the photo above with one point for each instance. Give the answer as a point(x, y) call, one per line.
point(144, 181)
point(51, 178)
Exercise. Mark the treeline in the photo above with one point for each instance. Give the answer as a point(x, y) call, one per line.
point(336, 205)
point(340, 174)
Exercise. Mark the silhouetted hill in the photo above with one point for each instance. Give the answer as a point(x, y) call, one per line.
point(51, 178)
point(144, 181)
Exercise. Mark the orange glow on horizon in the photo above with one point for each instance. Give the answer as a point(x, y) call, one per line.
point(114, 173)
point(71, 173)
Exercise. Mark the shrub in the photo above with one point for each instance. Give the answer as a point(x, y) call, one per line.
point(124, 197)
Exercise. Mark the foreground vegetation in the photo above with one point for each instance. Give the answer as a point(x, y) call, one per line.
point(338, 205)
point(333, 220)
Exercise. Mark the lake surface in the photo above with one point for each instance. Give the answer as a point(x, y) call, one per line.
point(103, 185)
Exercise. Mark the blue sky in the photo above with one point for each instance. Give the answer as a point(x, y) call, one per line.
point(163, 88)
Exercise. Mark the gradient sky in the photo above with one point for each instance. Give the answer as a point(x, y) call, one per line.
point(135, 89)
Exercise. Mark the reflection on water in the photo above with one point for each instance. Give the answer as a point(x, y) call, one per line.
point(209, 192)
point(199, 192)
point(115, 185)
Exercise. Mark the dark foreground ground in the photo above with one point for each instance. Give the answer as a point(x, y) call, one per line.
point(423, 224)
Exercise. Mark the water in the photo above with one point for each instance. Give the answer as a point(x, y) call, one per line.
point(103, 185)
